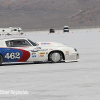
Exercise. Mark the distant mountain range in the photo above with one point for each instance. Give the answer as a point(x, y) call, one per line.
point(42, 14)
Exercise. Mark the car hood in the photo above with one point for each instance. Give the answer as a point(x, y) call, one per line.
point(50, 44)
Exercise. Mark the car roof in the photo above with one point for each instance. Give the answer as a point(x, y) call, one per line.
point(6, 39)
point(65, 26)
point(52, 29)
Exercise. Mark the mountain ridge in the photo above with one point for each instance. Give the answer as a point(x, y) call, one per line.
point(39, 14)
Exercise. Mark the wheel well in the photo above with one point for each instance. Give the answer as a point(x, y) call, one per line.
point(2, 56)
point(56, 51)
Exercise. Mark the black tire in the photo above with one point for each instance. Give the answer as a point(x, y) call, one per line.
point(1, 59)
point(55, 57)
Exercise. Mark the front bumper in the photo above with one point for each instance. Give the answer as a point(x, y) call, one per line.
point(72, 57)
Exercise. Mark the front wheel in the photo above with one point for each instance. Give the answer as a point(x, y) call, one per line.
point(1, 59)
point(55, 57)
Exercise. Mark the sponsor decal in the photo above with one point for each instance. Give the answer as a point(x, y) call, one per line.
point(41, 54)
point(45, 43)
point(34, 56)
point(50, 49)
point(38, 49)
point(67, 53)
point(33, 53)
point(46, 52)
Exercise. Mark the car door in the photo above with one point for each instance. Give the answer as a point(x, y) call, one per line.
point(38, 53)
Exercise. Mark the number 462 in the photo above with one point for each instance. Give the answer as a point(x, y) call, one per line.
point(12, 55)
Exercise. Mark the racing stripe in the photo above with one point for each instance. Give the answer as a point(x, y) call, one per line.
point(25, 56)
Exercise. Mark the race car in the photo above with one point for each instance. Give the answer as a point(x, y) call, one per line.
point(25, 50)
point(52, 31)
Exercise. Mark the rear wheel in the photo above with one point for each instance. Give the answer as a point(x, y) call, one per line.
point(55, 57)
point(1, 59)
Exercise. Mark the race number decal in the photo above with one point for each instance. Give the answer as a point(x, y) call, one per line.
point(12, 55)
point(15, 55)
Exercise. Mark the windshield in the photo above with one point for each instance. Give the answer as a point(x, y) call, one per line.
point(33, 43)
point(66, 28)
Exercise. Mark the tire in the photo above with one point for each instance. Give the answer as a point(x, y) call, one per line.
point(55, 57)
point(1, 59)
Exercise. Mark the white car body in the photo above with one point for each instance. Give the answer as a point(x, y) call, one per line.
point(42, 50)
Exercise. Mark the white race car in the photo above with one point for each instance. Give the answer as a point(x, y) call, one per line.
point(25, 50)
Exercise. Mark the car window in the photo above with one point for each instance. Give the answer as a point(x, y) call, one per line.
point(19, 30)
point(15, 30)
point(33, 43)
point(17, 43)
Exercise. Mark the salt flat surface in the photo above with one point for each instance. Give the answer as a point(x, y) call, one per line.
point(61, 81)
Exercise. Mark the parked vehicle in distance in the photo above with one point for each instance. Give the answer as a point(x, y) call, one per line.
point(11, 31)
point(52, 31)
point(66, 29)
point(25, 50)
